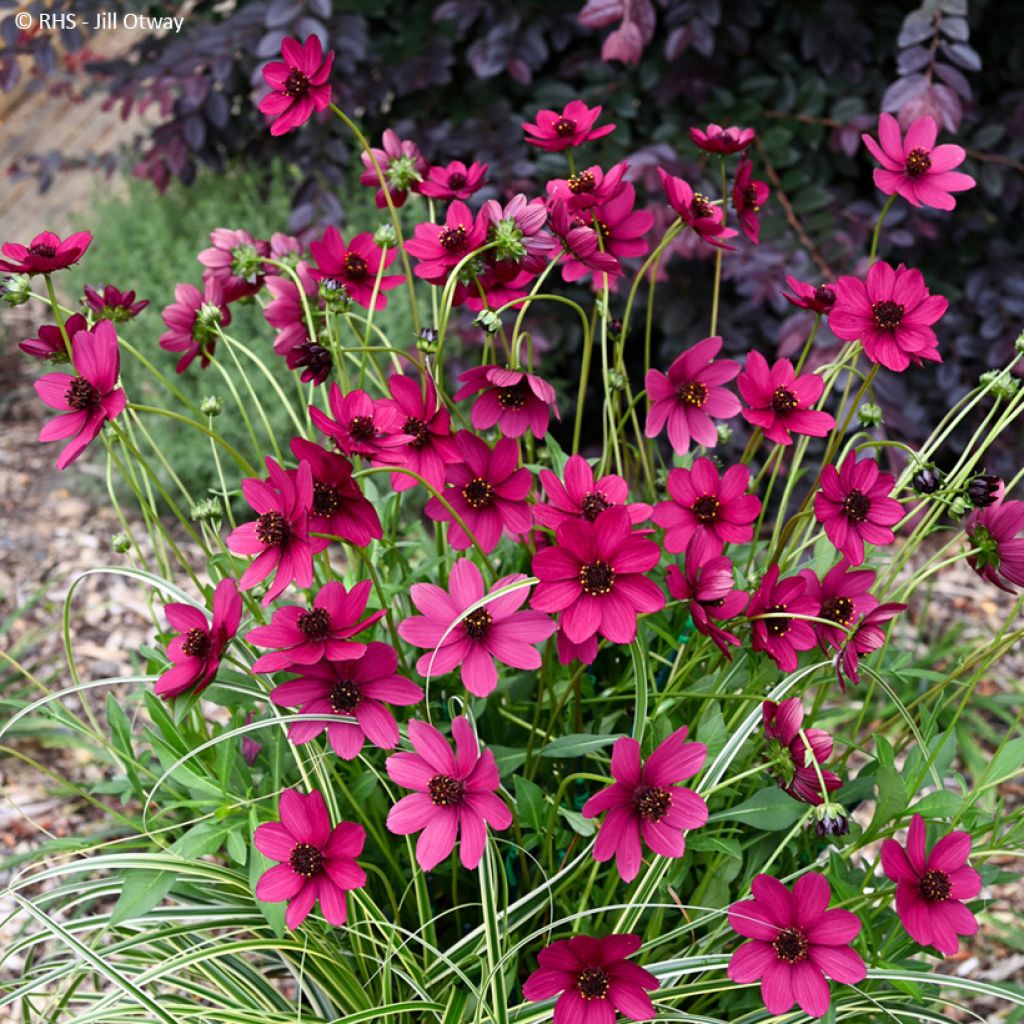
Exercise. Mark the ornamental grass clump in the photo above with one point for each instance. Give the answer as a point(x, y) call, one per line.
point(476, 697)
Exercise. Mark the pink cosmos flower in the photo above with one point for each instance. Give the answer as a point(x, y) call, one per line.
point(891, 312)
point(795, 941)
point(998, 531)
point(588, 188)
point(402, 165)
point(195, 652)
point(113, 304)
point(622, 230)
point(285, 311)
point(87, 399)
point(594, 576)
point(515, 400)
point(361, 425)
point(716, 139)
point(279, 537)
point(488, 490)
point(932, 887)
point(646, 801)
point(854, 506)
point(568, 652)
point(781, 636)
point(49, 345)
point(305, 636)
point(867, 637)
point(712, 511)
point(300, 84)
point(459, 635)
point(780, 402)
point(352, 696)
point(842, 596)
point(236, 260)
point(708, 585)
point(914, 167)
point(439, 248)
point(583, 497)
point(317, 862)
point(356, 266)
point(454, 181)
point(690, 394)
point(820, 299)
point(697, 211)
point(45, 253)
point(192, 321)
point(748, 196)
point(581, 251)
point(595, 979)
point(794, 763)
point(553, 131)
point(455, 795)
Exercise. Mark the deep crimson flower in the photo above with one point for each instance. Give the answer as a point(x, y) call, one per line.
point(279, 537)
point(998, 531)
point(595, 980)
point(891, 312)
point(854, 506)
point(793, 762)
point(711, 510)
point(192, 321)
point(236, 260)
point(351, 695)
point(45, 253)
point(914, 167)
point(361, 425)
point(690, 394)
point(317, 862)
point(716, 139)
point(356, 266)
point(708, 585)
point(748, 196)
point(113, 304)
point(588, 188)
point(401, 163)
point(594, 576)
point(439, 248)
point(195, 653)
point(781, 636)
point(583, 497)
point(305, 636)
point(457, 637)
point(581, 251)
point(454, 181)
point(87, 398)
point(455, 795)
point(488, 490)
point(285, 248)
point(553, 131)
point(842, 597)
point(49, 344)
point(300, 84)
point(867, 637)
point(515, 400)
point(795, 941)
point(285, 311)
point(820, 299)
point(780, 401)
point(931, 888)
point(697, 211)
point(621, 229)
point(646, 801)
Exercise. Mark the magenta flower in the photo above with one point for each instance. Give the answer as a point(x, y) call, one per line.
point(820, 299)
point(439, 248)
point(553, 131)
point(45, 253)
point(867, 637)
point(690, 394)
point(795, 942)
point(842, 596)
point(352, 696)
point(568, 652)
point(279, 537)
point(646, 802)
point(515, 400)
point(716, 139)
point(782, 635)
point(518, 226)
point(707, 583)
point(195, 653)
point(361, 425)
point(697, 211)
point(795, 750)
point(317, 862)
point(780, 402)
point(594, 978)
point(914, 167)
point(931, 888)
point(748, 196)
point(594, 576)
point(454, 181)
point(588, 188)
point(463, 629)
point(854, 506)
point(285, 311)
point(455, 795)
point(305, 636)
point(236, 260)
point(581, 249)
point(49, 345)
point(583, 497)
point(488, 490)
point(998, 531)
point(355, 267)
point(712, 511)
point(192, 321)
point(622, 230)
point(300, 84)
point(402, 165)
point(891, 312)
point(87, 399)
point(113, 304)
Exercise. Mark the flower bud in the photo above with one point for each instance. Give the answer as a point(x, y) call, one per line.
point(205, 510)
point(488, 321)
point(831, 819)
point(724, 432)
point(16, 289)
point(334, 295)
point(121, 543)
point(1000, 383)
point(1019, 343)
point(984, 490)
point(426, 341)
point(211, 406)
point(927, 480)
point(385, 235)
point(617, 380)
point(870, 415)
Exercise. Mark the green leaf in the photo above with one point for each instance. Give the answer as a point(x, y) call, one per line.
point(198, 841)
point(580, 825)
point(770, 810)
point(530, 803)
point(892, 797)
point(142, 891)
point(938, 805)
point(576, 744)
point(508, 759)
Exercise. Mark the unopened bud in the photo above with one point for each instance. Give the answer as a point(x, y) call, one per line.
point(870, 415)
point(984, 490)
point(426, 340)
point(831, 819)
point(121, 543)
point(1000, 383)
point(211, 405)
point(617, 380)
point(16, 289)
point(1019, 343)
point(335, 295)
point(385, 235)
point(205, 510)
point(927, 480)
point(724, 432)
point(488, 320)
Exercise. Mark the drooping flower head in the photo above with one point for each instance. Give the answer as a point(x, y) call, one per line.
point(361, 425)
point(581, 246)
point(779, 634)
point(454, 181)
point(355, 267)
point(780, 402)
point(192, 321)
point(113, 304)
point(401, 163)
point(716, 139)
point(287, 314)
point(998, 533)
point(553, 131)
point(622, 230)
point(794, 752)
point(707, 583)
point(299, 82)
point(842, 596)
point(49, 342)
point(583, 497)
point(514, 400)
point(235, 259)
point(867, 637)
point(697, 211)
point(748, 196)
point(45, 253)
point(819, 299)
point(589, 187)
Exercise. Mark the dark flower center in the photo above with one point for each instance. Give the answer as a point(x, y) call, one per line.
point(446, 791)
point(776, 627)
point(791, 945)
point(592, 983)
point(315, 624)
point(196, 643)
point(695, 393)
point(652, 802)
point(296, 84)
point(918, 163)
point(456, 180)
point(856, 506)
point(839, 609)
point(478, 493)
point(935, 886)
point(513, 397)
point(564, 126)
point(306, 860)
point(418, 429)
point(701, 206)
point(452, 238)
point(313, 355)
point(81, 395)
point(361, 428)
point(887, 315)
point(596, 578)
point(44, 251)
point(475, 623)
point(355, 265)
point(593, 504)
point(344, 697)
point(326, 500)
point(582, 182)
point(824, 296)
point(784, 400)
point(706, 508)
point(272, 529)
